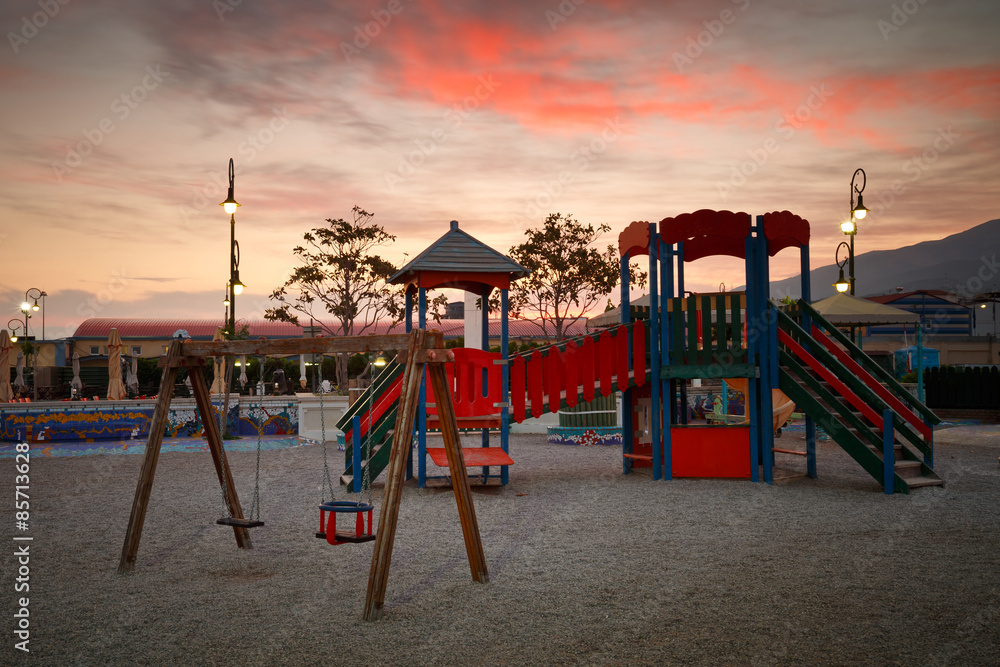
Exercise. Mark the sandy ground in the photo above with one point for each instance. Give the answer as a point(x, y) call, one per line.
point(587, 566)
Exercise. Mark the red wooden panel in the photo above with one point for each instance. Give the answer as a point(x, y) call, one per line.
point(605, 359)
point(707, 232)
point(472, 397)
point(784, 229)
point(639, 352)
point(473, 456)
point(621, 357)
point(535, 377)
point(570, 374)
point(554, 378)
point(518, 388)
point(588, 375)
point(710, 451)
point(634, 239)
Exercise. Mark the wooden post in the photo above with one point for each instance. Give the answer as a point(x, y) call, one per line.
point(401, 439)
point(204, 400)
point(145, 484)
point(459, 476)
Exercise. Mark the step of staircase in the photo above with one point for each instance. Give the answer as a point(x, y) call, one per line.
point(923, 481)
point(909, 469)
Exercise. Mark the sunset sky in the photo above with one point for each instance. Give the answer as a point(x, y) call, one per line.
point(118, 119)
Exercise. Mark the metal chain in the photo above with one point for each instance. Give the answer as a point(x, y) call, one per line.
point(222, 449)
point(366, 480)
point(255, 504)
point(327, 483)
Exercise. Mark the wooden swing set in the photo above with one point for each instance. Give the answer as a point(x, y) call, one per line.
point(417, 350)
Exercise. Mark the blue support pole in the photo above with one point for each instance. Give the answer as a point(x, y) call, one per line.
point(807, 325)
point(929, 456)
point(484, 324)
point(888, 453)
point(752, 342)
point(505, 384)
point(665, 252)
point(769, 343)
point(655, 404)
point(356, 453)
point(624, 315)
point(682, 394)
point(422, 405)
point(409, 327)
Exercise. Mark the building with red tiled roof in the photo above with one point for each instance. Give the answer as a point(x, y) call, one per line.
point(150, 337)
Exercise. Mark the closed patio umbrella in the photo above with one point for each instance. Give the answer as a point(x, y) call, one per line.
point(133, 374)
point(116, 388)
point(219, 362)
point(19, 383)
point(77, 383)
point(243, 371)
point(6, 392)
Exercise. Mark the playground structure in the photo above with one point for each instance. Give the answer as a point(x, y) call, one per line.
point(780, 355)
point(418, 352)
point(790, 350)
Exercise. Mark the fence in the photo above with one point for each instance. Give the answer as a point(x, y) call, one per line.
point(966, 388)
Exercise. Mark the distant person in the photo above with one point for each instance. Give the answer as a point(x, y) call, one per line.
point(279, 381)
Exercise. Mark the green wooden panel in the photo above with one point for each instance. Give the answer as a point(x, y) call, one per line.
point(737, 322)
point(677, 322)
point(707, 337)
point(689, 371)
point(692, 330)
point(721, 326)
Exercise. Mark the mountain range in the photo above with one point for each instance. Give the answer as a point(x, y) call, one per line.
point(966, 264)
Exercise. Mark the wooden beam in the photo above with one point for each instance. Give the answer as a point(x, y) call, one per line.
point(145, 484)
point(203, 397)
point(395, 476)
point(459, 478)
point(263, 346)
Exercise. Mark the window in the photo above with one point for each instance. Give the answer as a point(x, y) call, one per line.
point(95, 349)
point(165, 348)
point(137, 350)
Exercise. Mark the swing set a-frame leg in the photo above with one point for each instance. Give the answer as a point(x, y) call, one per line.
point(204, 400)
point(144, 487)
point(396, 473)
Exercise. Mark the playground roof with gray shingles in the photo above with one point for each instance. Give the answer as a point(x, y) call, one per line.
point(458, 252)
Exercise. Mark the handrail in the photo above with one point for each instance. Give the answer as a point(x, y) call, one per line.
point(897, 405)
point(858, 384)
point(858, 355)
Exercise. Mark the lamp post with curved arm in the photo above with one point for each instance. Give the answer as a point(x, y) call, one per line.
point(858, 212)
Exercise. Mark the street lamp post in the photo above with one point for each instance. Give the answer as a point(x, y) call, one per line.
point(27, 307)
point(850, 227)
point(14, 324)
point(842, 284)
point(235, 286)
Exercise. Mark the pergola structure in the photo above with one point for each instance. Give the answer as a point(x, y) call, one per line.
point(459, 261)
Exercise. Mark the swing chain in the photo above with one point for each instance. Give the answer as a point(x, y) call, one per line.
point(222, 449)
point(327, 483)
point(366, 479)
point(255, 504)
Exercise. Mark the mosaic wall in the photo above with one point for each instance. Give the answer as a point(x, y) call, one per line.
point(124, 422)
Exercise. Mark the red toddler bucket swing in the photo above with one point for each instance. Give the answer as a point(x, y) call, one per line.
point(329, 509)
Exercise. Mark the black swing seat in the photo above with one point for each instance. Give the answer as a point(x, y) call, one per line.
point(239, 523)
point(343, 536)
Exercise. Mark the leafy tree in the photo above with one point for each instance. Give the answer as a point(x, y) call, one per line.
point(569, 275)
point(340, 276)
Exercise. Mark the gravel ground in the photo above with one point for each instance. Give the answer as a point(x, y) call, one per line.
point(587, 566)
